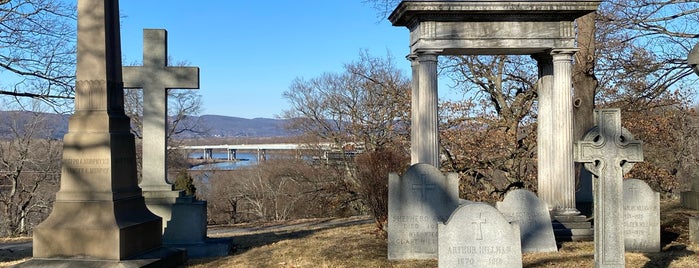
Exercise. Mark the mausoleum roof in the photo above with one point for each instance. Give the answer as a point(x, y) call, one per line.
point(411, 11)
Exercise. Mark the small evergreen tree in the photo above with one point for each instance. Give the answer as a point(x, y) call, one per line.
point(185, 182)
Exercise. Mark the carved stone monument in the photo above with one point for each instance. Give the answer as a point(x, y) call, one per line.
point(532, 216)
point(478, 235)
point(184, 218)
point(99, 217)
point(416, 202)
point(690, 199)
point(641, 217)
point(543, 29)
point(608, 151)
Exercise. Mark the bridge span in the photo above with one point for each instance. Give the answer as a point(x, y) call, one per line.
point(261, 149)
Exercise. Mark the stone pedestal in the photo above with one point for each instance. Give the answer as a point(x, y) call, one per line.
point(187, 230)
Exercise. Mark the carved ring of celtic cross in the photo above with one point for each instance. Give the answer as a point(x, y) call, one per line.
point(693, 59)
point(594, 136)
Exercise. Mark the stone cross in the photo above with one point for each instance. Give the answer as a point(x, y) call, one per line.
point(608, 152)
point(155, 77)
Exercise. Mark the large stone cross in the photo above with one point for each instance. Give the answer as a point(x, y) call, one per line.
point(155, 77)
point(608, 152)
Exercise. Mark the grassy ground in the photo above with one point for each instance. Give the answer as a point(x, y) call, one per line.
point(354, 243)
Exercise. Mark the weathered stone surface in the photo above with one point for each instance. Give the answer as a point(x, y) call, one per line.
point(418, 200)
point(155, 77)
point(99, 213)
point(694, 230)
point(478, 235)
point(608, 151)
point(641, 217)
point(532, 216)
point(541, 28)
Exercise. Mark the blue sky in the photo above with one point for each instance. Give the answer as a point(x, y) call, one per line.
point(249, 52)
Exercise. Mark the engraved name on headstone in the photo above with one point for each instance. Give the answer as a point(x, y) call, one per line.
point(478, 235)
point(641, 217)
point(418, 200)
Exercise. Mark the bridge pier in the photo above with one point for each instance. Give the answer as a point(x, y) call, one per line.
point(232, 154)
point(208, 153)
point(261, 155)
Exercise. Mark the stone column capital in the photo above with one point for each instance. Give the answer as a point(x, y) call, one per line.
point(563, 54)
point(427, 55)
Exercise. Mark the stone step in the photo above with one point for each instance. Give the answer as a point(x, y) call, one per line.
point(573, 232)
point(560, 239)
point(572, 225)
point(569, 218)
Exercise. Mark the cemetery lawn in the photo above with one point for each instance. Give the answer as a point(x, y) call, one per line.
point(353, 242)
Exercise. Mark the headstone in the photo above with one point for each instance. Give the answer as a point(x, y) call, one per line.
point(641, 217)
point(155, 77)
point(184, 218)
point(694, 230)
point(416, 202)
point(99, 217)
point(478, 235)
point(533, 218)
point(608, 151)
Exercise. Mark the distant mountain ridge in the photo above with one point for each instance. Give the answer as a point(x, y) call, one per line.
point(217, 125)
point(228, 126)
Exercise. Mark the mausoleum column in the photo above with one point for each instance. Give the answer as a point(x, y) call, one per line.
point(561, 141)
point(428, 132)
point(414, 111)
point(545, 133)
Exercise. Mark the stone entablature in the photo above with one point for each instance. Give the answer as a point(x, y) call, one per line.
point(490, 27)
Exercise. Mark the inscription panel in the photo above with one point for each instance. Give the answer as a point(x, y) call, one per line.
point(641, 217)
point(417, 201)
point(478, 235)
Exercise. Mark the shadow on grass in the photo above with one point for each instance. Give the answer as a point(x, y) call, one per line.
point(245, 239)
point(11, 252)
point(557, 259)
point(665, 257)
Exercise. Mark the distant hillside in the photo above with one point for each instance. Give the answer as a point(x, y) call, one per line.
point(226, 126)
point(217, 125)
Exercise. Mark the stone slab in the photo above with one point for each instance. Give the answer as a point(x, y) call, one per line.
point(641, 217)
point(532, 215)
point(161, 257)
point(478, 235)
point(690, 199)
point(694, 230)
point(211, 247)
point(418, 200)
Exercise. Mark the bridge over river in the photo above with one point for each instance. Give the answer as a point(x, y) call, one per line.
point(262, 149)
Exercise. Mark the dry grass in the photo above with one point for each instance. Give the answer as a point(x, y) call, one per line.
point(354, 243)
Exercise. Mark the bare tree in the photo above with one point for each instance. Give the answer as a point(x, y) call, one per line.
point(489, 136)
point(37, 50)
point(368, 102)
point(29, 172)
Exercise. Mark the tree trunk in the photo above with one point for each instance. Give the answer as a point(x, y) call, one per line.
point(584, 89)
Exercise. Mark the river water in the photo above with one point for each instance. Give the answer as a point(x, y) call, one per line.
point(244, 160)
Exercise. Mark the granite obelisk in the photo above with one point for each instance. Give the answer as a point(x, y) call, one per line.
point(99, 213)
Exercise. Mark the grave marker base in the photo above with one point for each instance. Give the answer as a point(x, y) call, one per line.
point(161, 257)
